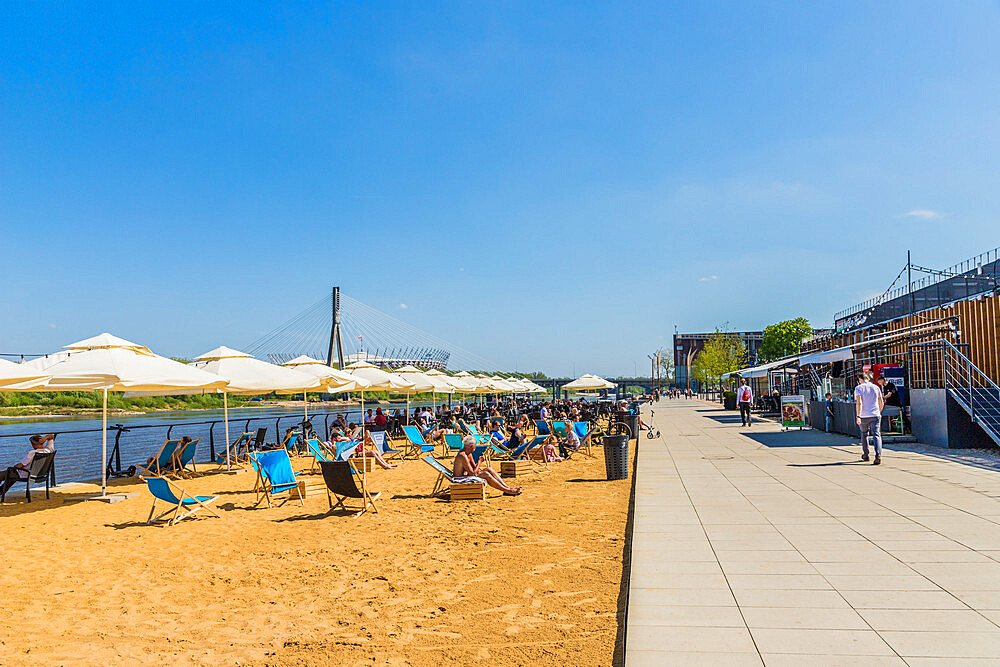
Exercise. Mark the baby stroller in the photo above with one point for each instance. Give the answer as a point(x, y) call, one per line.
point(653, 432)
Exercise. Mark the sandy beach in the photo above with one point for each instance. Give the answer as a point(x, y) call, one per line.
point(527, 580)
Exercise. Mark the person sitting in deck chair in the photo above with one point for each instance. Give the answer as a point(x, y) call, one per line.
point(569, 443)
point(368, 448)
point(497, 435)
point(20, 470)
point(549, 452)
point(464, 470)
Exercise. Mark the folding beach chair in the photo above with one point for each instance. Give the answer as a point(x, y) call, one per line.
point(183, 456)
point(183, 506)
point(163, 459)
point(586, 432)
point(235, 451)
point(466, 491)
point(542, 427)
point(384, 444)
point(291, 443)
point(274, 475)
point(559, 429)
point(453, 441)
point(315, 450)
point(346, 449)
point(443, 474)
point(343, 482)
point(417, 444)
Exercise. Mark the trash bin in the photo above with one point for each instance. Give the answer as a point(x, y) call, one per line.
point(616, 456)
point(630, 420)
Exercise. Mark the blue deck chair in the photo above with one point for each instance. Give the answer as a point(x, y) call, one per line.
point(453, 441)
point(184, 456)
point(275, 475)
point(346, 449)
point(291, 443)
point(559, 428)
point(542, 427)
point(236, 451)
point(163, 459)
point(586, 440)
point(316, 451)
point(384, 445)
point(183, 506)
point(443, 475)
point(417, 444)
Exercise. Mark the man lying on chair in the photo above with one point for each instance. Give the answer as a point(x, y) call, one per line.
point(466, 471)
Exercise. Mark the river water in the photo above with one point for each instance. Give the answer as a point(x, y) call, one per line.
point(79, 453)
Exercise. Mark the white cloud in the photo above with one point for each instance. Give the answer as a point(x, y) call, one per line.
point(707, 279)
point(403, 306)
point(923, 214)
point(461, 268)
point(52, 326)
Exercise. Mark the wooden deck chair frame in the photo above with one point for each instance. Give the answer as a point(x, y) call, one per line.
point(265, 489)
point(177, 509)
point(317, 450)
point(367, 499)
point(155, 469)
point(440, 488)
point(237, 451)
point(179, 469)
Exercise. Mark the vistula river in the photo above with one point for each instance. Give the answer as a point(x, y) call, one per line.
point(78, 443)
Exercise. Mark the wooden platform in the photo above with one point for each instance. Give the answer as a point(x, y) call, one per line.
point(358, 462)
point(468, 492)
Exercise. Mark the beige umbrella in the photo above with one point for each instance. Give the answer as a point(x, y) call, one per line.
point(436, 383)
point(20, 377)
point(588, 381)
point(336, 381)
point(108, 363)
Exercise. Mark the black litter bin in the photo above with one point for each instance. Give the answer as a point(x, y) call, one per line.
point(630, 420)
point(616, 456)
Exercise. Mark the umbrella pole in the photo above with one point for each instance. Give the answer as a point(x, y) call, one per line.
point(305, 411)
point(225, 414)
point(104, 445)
point(364, 455)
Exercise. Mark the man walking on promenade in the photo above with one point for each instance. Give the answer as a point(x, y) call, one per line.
point(869, 402)
point(744, 399)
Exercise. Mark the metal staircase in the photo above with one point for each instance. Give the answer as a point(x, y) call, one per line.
point(970, 387)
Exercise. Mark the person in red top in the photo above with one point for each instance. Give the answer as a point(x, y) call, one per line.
point(744, 399)
point(380, 419)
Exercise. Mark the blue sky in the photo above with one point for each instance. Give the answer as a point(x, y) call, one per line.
point(549, 185)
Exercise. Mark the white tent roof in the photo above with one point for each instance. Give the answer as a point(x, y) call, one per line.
point(20, 377)
point(380, 379)
point(589, 381)
point(827, 357)
point(337, 381)
point(116, 364)
point(762, 370)
point(247, 375)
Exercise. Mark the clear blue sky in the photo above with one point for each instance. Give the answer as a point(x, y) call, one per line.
point(545, 184)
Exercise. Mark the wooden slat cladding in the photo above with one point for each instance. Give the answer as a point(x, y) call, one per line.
point(978, 320)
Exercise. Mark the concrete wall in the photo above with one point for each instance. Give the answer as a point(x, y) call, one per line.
point(929, 416)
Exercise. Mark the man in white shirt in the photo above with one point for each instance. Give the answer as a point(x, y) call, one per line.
point(869, 402)
point(20, 470)
point(744, 399)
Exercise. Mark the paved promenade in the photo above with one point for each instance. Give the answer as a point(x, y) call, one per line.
point(757, 546)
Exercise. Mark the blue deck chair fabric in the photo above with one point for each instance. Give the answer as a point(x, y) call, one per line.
point(292, 441)
point(185, 456)
point(381, 441)
point(183, 506)
point(522, 450)
point(163, 460)
point(581, 429)
point(444, 475)
point(346, 448)
point(275, 475)
point(559, 428)
point(417, 442)
point(477, 453)
point(315, 450)
point(543, 428)
point(453, 441)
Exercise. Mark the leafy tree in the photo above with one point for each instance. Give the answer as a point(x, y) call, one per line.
point(666, 364)
point(724, 352)
point(784, 338)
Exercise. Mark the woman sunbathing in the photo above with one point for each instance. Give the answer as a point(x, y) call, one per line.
point(465, 471)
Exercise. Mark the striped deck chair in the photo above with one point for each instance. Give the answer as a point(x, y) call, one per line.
point(417, 444)
point(163, 459)
point(274, 475)
point(182, 506)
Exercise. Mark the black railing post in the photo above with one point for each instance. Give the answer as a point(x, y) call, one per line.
point(211, 441)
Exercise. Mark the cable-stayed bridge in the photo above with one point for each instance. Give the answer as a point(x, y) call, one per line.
point(341, 330)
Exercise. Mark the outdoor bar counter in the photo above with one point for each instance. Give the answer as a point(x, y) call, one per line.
point(845, 417)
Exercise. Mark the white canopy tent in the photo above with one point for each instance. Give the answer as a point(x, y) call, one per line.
point(108, 363)
point(827, 357)
point(762, 370)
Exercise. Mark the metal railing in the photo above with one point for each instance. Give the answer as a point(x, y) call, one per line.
point(948, 368)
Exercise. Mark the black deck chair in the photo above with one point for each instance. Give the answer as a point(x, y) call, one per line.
point(38, 470)
point(259, 440)
point(343, 482)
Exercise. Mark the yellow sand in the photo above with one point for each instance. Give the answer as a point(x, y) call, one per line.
point(527, 580)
